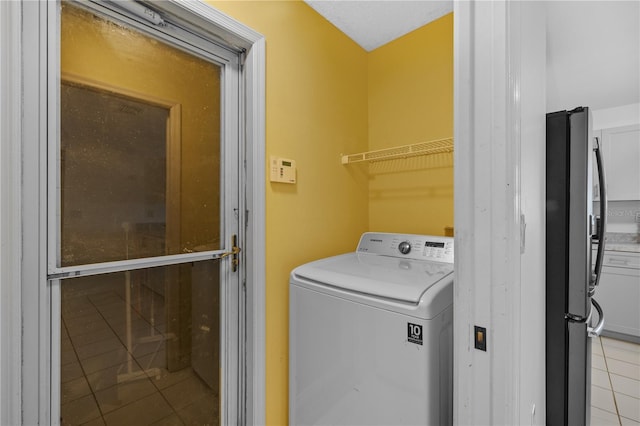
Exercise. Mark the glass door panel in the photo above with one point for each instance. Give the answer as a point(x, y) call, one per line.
point(140, 144)
point(113, 177)
point(142, 346)
point(145, 169)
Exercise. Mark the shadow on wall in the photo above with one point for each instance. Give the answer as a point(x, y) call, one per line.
point(431, 192)
point(415, 178)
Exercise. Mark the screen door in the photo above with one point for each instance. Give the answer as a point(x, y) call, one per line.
point(143, 219)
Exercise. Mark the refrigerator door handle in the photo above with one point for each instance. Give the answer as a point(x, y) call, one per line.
point(595, 278)
point(595, 331)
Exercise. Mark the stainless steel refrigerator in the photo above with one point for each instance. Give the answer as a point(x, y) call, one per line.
point(573, 317)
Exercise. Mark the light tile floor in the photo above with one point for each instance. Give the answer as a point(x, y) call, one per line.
point(615, 383)
point(104, 381)
point(101, 385)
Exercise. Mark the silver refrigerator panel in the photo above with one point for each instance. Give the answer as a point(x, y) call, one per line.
point(579, 215)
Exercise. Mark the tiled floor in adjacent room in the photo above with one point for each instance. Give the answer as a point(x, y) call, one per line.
point(105, 383)
point(615, 383)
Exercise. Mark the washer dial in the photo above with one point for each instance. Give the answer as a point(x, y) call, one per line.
point(404, 247)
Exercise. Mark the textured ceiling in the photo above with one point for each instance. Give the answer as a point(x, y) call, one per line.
point(372, 23)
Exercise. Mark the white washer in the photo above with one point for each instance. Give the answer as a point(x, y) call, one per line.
point(371, 334)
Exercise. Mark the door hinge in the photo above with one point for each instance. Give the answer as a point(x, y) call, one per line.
point(235, 250)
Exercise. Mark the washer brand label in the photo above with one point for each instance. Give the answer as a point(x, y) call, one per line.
point(414, 333)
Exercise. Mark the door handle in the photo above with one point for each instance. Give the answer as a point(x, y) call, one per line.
point(235, 250)
point(595, 331)
point(595, 278)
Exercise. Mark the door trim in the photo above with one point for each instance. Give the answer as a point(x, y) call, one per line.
point(26, 367)
point(499, 111)
point(11, 135)
point(254, 256)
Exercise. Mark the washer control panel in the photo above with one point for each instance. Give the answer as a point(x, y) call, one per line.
point(418, 247)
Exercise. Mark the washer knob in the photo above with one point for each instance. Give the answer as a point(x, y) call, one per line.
point(404, 247)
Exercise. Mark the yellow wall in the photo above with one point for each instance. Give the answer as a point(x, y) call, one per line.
point(411, 101)
point(326, 96)
point(316, 108)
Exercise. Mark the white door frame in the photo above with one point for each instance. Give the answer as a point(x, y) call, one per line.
point(25, 335)
point(499, 117)
point(10, 212)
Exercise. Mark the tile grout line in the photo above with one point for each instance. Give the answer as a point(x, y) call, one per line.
point(105, 320)
point(97, 305)
point(623, 393)
point(84, 373)
point(631, 363)
point(158, 390)
point(150, 378)
point(615, 402)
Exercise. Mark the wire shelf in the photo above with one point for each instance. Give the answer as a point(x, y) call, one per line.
point(439, 146)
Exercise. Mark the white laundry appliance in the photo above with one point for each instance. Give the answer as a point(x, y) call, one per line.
point(371, 334)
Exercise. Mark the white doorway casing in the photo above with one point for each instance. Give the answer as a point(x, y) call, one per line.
point(499, 159)
point(10, 212)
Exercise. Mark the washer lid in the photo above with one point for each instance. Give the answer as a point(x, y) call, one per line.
point(379, 276)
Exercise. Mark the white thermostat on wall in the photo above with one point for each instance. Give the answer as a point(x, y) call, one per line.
point(283, 170)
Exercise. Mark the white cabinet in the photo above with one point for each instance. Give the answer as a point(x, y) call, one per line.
point(619, 294)
point(621, 152)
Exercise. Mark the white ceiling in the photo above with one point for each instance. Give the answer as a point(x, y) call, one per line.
point(593, 47)
point(372, 23)
point(593, 54)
